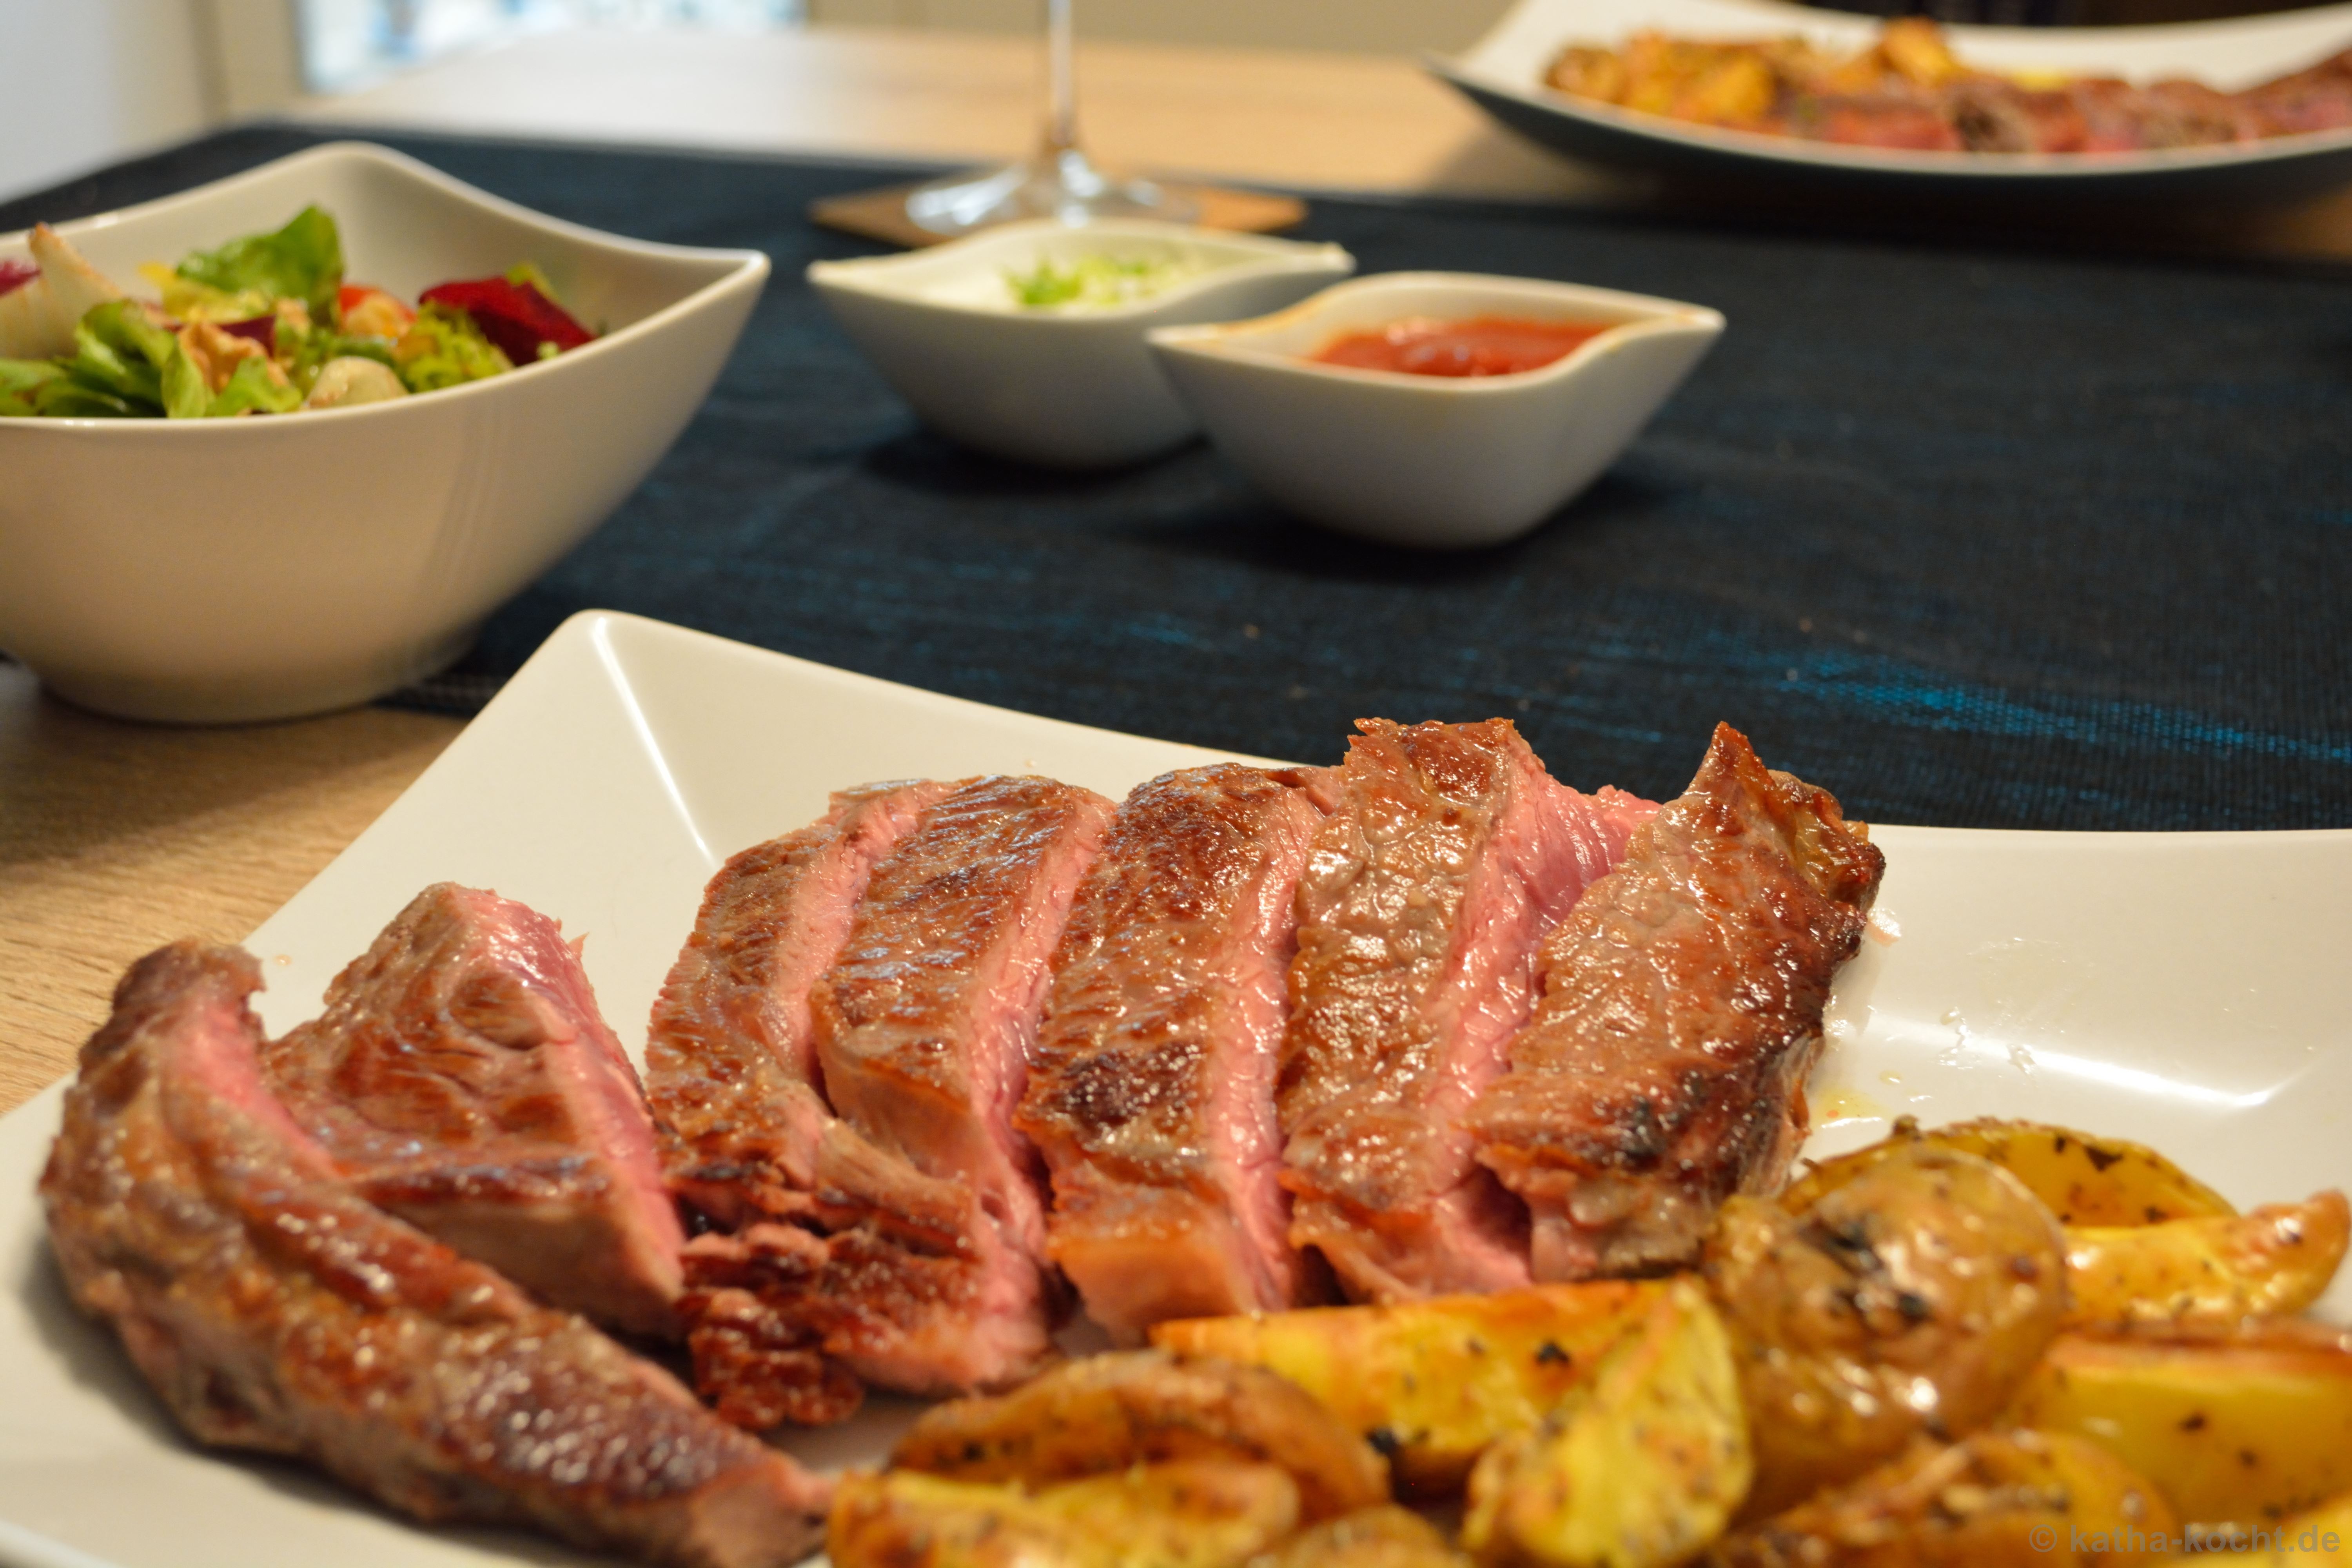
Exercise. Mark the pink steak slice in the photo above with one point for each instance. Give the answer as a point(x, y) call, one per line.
point(1665, 1067)
point(463, 1079)
point(925, 1022)
point(274, 1310)
point(825, 1260)
point(1448, 854)
point(1151, 1092)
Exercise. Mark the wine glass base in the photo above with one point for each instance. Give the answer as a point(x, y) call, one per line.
point(1062, 185)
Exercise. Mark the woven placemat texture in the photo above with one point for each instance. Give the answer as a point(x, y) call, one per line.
point(1973, 535)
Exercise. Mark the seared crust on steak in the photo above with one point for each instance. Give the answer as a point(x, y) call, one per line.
point(1448, 853)
point(1664, 1068)
point(1151, 1091)
point(825, 1259)
point(463, 1079)
point(274, 1310)
point(1107, 1413)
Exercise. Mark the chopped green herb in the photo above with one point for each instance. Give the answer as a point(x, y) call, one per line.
point(1098, 281)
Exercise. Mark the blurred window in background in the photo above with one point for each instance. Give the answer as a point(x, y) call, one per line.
point(348, 43)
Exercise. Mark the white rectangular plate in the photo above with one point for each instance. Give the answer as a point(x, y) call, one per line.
point(1503, 72)
point(2173, 988)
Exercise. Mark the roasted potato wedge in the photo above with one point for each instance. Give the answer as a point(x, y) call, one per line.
point(2083, 1180)
point(1433, 1383)
point(1384, 1537)
point(2241, 1427)
point(1640, 1468)
point(1106, 1413)
point(1197, 1514)
point(2272, 1262)
point(2320, 1539)
point(1997, 1499)
point(1909, 1299)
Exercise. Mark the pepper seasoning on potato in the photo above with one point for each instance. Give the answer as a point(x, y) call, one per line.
point(1431, 1383)
point(1996, 1499)
point(2219, 1268)
point(1106, 1413)
point(1909, 1300)
point(1189, 1514)
point(2241, 1427)
point(2146, 1241)
point(1640, 1468)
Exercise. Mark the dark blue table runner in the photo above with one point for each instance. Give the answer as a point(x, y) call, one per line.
point(1974, 536)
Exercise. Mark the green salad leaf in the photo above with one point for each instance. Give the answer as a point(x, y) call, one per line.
point(20, 382)
point(444, 348)
point(250, 389)
point(185, 395)
point(303, 261)
point(116, 371)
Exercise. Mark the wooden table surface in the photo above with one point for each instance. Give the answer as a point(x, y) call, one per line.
point(115, 837)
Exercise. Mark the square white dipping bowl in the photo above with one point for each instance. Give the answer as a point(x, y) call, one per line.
point(1067, 387)
point(224, 570)
point(1439, 462)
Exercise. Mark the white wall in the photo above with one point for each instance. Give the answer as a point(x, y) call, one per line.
point(84, 82)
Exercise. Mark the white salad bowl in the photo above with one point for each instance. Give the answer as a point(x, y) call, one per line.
point(224, 570)
point(1070, 386)
point(1438, 462)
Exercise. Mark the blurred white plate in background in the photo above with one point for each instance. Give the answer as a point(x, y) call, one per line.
point(1504, 73)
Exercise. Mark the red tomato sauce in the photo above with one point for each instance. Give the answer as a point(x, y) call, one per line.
point(1482, 345)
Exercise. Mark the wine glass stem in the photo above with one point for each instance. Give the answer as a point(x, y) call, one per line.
point(1061, 85)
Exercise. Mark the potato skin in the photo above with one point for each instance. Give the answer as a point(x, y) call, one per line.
point(1997, 1499)
point(1105, 1412)
point(1909, 1299)
point(1383, 1537)
point(2083, 1180)
point(1641, 1468)
point(1200, 1514)
point(2272, 1262)
point(2243, 1426)
point(1433, 1383)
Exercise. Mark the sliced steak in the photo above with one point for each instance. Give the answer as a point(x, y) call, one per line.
point(1448, 855)
point(463, 1079)
point(925, 1022)
point(1151, 1091)
point(274, 1310)
point(1682, 1009)
point(824, 1258)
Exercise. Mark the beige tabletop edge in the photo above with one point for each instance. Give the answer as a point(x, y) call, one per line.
point(116, 837)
